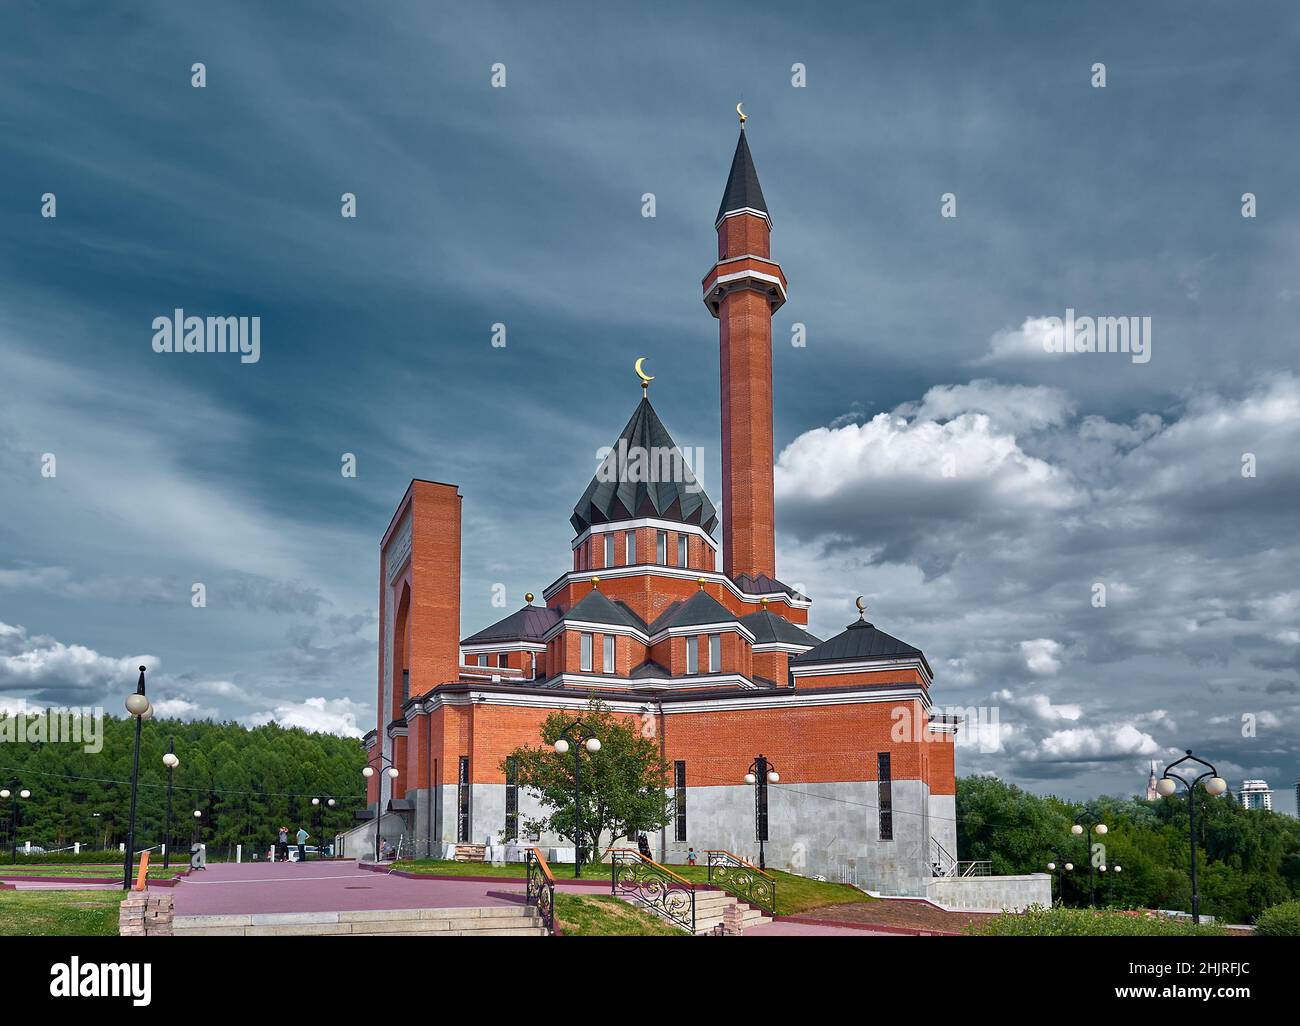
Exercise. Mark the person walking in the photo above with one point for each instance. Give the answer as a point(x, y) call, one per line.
point(302, 844)
point(282, 844)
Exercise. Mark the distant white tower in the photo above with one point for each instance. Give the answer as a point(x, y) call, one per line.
point(1256, 794)
point(1153, 794)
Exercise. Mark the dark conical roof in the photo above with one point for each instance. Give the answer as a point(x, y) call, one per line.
point(620, 491)
point(697, 611)
point(596, 607)
point(860, 642)
point(743, 191)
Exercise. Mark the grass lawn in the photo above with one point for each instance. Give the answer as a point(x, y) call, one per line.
point(59, 913)
point(602, 915)
point(794, 894)
point(73, 869)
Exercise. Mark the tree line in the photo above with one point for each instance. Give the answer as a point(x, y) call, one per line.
point(1247, 859)
point(245, 783)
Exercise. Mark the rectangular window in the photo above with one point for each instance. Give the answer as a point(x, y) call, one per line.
point(715, 653)
point(512, 798)
point(679, 799)
point(609, 550)
point(480, 660)
point(406, 685)
point(503, 659)
point(661, 548)
point(681, 550)
point(884, 781)
point(585, 654)
point(462, 801)
point(693, 655)
point(609, 653)
point(631, 548)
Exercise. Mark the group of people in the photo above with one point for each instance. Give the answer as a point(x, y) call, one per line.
point(282, 844)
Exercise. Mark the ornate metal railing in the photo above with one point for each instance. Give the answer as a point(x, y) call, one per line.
point(541, 889)
point(638, 879)
point(743, 879)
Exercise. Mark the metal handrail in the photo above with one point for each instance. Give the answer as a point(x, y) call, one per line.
point(650, 885)
point(746, 881)
point(540, 893)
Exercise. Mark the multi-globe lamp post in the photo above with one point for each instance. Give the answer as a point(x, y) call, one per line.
point(16, 792)
point(1214, 785)
point(574, 735)
point(1099, 829)
point(137, 704)
point(1065, 867)
point(393, 773)
point(761, 773)
point(319, 805)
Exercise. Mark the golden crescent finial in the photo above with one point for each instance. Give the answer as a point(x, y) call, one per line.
point(743, 116)
point(640, 373)
point(862, 609)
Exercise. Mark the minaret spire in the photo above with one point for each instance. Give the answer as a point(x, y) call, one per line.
point(743, 289)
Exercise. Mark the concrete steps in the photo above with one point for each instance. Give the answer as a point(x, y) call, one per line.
point(485, 921)
point(709, 909)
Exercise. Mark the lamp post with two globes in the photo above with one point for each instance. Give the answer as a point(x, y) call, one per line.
point(17, 792)
point(137, 704)
point(393, 774)
point(318, 806)
point(1214, 785)
point(761, 773)
point(1066, 867)
point(577, 735)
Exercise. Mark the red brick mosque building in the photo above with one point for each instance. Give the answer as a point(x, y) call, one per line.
point(695, 637)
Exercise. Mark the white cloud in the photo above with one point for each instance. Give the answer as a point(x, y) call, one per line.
point(43, 664)
point(325, 715)
point(1040, 655)
point(1023, 343)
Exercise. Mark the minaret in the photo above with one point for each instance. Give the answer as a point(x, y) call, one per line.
point(743, 289)
point(1152, 793)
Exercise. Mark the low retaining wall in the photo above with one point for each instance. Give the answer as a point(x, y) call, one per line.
point(990, 893)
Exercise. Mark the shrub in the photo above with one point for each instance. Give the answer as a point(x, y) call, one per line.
point(1082, 922)
point(1279, 921)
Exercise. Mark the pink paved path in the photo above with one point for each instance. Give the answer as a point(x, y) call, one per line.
point(230, 889)
point(227, 888)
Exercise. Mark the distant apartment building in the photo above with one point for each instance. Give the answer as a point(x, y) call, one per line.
point(1256, 794)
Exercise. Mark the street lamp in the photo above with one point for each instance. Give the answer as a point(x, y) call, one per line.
point(577, 735)
point(1214, 785)
point(137, 705)
point(761, 773)
point(318, 809)
point(171, 762)
point(1100, 829)
point(16, 792)
point(393, 774)
point(1067, 867)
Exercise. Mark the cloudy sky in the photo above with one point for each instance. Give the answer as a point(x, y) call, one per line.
point(932, 456)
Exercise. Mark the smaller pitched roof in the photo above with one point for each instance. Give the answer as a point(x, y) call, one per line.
point(595, 607)
point(860, 642)
point(698, 610)
point(761, 584)
point(768, 629)
point(527, 624)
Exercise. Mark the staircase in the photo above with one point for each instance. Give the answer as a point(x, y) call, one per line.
point(487, 921)
point(710, 905)
point(471, 853)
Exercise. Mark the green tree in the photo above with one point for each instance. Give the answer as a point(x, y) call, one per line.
point(624, 785)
